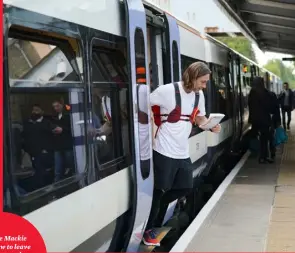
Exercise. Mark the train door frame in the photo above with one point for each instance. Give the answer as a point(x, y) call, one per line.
point(172, 58)
point(237, 66)
point(172, 38)
point(257, 71)
point(267, 80)
point(167, 27)
point(9, 198)
point(236, 121)
point(244, 79)
point(211, 92)
point(156, 38)
point(136, 21)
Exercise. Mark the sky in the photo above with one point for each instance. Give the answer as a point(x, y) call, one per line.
point(263, 58)
point(205, 13)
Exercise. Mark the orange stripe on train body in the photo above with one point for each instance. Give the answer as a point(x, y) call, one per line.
point(141, 80)
point(140, 70)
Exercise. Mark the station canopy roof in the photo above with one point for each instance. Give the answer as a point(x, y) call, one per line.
point(270, 23)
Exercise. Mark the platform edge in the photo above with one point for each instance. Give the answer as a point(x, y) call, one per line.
point(190, 232)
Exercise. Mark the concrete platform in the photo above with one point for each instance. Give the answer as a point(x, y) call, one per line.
point(256, 212)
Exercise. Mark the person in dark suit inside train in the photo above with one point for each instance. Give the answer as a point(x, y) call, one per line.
point(286, 101)
point(37, 136)
point(260, 116)
point(63, 141)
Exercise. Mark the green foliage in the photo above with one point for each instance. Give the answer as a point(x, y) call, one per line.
point(284, 72)
point(241, 45)
point(244, 47)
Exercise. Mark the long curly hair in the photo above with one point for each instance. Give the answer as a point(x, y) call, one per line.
point(193, 72)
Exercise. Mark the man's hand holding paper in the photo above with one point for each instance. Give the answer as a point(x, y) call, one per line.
point(212, 123)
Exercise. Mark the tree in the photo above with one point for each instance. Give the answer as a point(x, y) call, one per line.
point(241, 45)
point(284, 72)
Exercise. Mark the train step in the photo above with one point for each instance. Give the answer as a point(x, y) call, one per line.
point(161, 233)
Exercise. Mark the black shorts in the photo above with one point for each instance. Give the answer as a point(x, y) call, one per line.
point(172, 173)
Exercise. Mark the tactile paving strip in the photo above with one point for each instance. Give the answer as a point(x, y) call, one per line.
point(281, 232)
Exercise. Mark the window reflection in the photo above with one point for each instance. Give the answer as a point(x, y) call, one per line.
point(142, 108)
point(220, 86)
point(34, 64)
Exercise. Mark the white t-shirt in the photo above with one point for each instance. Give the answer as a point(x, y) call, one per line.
point(172, 138)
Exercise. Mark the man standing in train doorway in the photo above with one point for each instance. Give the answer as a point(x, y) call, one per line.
point(176, 106)
point(286, 101)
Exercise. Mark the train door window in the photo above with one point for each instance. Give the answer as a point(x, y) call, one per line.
point(175, 59)
point(244, 84)
point(214, 80)
point(230, 74)
point(253, 71)
point(230, 92)
point(153, 69)
point(155, 57)
point(46, 102)
point(237, 86)
point(109, 131)
point(220, 88)
point(144, 135)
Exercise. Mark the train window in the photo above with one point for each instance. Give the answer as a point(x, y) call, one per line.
point(237, 75)
point(175, 61)
point(108, 66)
point(98, 69)
point(46, 103)
point(245, 81)
point(34, 64)
point(220, 87)
point(109, 131)
point(144, 134)
point(230, 92)
point(109, 112)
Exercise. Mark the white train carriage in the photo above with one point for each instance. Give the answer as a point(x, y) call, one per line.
point(96, 56)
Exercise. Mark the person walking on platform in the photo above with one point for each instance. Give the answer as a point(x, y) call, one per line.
point(176, 106)
point(260, 116)
point(287, 105)
point(275, 122)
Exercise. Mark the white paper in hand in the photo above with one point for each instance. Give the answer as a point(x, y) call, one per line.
point(213, 120)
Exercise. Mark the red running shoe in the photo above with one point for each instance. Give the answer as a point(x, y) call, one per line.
point(150, 238)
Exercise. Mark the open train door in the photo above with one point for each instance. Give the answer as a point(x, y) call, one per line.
point(172, 68)
point(233, 98)
point(240, 94)
point(142, 131)
point(235, 83)
point(172, 59)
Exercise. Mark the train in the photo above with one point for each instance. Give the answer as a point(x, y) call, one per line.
point(84, 53)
